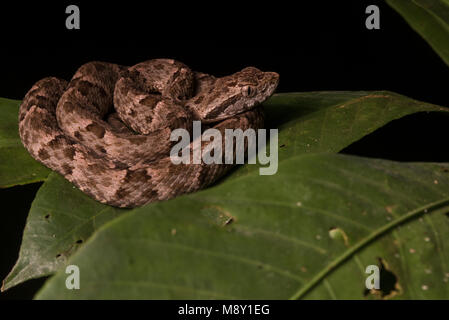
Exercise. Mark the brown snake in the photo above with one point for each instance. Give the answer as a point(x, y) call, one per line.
point(108, 130)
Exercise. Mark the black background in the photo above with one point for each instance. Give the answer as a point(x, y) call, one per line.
point(319, 46)
point(314, 47)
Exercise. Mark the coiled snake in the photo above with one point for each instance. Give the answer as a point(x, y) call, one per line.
point(108, 130)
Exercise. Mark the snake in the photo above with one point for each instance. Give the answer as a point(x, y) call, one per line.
point(108, 129)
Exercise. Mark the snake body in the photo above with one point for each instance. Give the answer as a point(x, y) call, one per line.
point(108, 130)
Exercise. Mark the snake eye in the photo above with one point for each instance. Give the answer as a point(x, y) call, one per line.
point(247, 91)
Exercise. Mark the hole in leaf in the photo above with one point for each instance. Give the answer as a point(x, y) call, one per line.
point(388, 280)
point(389, 285)
point(79, 241)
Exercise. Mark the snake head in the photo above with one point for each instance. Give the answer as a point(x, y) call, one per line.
point(237, 93)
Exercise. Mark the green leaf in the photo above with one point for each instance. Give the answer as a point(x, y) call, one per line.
point(61, 218)
point(273, 237)
point(16, 165)
point(307, 122)
point(430, 18)
point(329, 121)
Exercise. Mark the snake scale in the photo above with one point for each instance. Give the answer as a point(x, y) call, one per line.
point(108, 130)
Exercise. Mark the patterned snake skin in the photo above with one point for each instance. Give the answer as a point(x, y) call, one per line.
point(108, 130)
